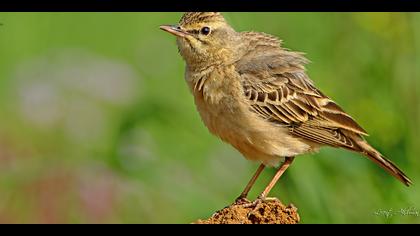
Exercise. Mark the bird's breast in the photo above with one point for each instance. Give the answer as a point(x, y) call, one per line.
point(217, 96)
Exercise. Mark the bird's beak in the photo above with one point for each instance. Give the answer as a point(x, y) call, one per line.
point(174, 29)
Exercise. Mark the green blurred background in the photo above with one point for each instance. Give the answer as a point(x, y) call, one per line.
point(97, 124)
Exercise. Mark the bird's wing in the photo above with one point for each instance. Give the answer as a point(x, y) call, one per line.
point(279, 91)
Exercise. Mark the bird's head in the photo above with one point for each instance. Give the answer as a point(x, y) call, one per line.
point(204, 38)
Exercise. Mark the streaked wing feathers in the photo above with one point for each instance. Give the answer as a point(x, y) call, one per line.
point(279, 90)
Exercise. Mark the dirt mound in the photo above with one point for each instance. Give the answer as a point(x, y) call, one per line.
point(267, 212)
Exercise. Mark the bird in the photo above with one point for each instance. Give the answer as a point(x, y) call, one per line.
point(256, 95)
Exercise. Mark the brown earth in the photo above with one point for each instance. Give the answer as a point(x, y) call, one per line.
point(266, 212)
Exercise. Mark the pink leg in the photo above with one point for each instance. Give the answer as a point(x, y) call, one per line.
point(276, 177)
point(248, 187)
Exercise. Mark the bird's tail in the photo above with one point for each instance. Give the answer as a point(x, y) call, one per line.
point(379, 159)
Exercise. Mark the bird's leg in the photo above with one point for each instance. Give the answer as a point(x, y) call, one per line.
point(251, 182)
point(276, 177)
point(263, 196)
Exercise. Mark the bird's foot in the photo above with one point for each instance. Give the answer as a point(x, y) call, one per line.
point(255, 205)
point(242, 200)
point(256, 202)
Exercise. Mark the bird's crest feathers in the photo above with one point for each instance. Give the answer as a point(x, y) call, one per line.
point(190, 18)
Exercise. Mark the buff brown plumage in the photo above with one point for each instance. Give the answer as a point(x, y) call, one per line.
point(254, 94)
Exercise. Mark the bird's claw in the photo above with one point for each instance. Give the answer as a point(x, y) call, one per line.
point(241, 200)
point(253, 204)
point(257, 202)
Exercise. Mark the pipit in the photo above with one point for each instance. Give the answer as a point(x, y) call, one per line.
point(254, 94)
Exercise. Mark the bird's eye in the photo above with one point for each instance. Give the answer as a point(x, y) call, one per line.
point(205, 30)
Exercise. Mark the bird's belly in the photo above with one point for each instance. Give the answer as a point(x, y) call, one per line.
point(256, 139)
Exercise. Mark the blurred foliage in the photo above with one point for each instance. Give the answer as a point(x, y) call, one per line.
point(98, 126)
